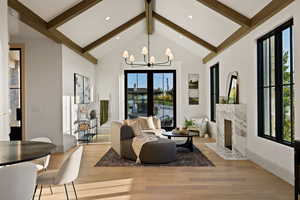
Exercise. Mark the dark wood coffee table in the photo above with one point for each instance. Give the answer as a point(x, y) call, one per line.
point(189, 139)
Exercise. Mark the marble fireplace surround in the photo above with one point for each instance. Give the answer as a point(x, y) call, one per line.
point(237, 114)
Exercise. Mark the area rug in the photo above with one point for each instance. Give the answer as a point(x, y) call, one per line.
point(185, 158)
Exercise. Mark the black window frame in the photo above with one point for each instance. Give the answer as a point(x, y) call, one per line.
point(150, 92)
point(278, 86)
point(214, 94)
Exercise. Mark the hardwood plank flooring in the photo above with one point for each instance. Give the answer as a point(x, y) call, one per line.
point(229, 180)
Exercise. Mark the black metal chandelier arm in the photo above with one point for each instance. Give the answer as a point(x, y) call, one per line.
point(135, 64)
point(164, 64)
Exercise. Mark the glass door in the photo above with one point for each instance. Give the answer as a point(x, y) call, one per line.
point(151, 93)
point(164, 98)
point(136, 95)
point(15, 94)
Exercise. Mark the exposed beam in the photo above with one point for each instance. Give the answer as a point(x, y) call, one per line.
point(266, 13)
point(115, 32)
point(34, 21)
point(184, 32)
point(149, 11)
point(71, 13)
point(227, 12)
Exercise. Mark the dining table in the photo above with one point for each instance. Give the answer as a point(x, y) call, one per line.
point(14, 152)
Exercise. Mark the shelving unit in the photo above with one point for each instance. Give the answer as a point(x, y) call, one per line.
point(86, 129)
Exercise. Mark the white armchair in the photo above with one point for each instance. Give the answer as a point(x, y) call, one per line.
point(18, 181)
point(201, 124)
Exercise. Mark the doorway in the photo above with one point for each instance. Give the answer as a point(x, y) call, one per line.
point(16, 92)
point(151, 93)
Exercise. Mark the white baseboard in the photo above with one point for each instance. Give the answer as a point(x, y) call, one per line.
point(273, 168)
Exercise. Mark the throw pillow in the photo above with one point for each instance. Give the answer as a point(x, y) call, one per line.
point(157, 122)
point(135, 127)
point(150, 123)
point(143, 123)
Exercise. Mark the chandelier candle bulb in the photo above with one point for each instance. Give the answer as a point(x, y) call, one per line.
point(125, 54)
point(152, 60)
point(144, 51)
point(171, 56)
point(131, 58)
point(168, 52)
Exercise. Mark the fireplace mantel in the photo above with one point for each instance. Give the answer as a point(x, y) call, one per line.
point(237, 114)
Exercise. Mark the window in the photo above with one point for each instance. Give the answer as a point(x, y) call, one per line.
point(151, 93)
point(276, 85)
point(214, 90)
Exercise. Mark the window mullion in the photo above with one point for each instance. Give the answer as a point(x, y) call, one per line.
point(279, 87)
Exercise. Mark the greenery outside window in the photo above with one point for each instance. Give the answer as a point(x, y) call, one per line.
point(276, 85)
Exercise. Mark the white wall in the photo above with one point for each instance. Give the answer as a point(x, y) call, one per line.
point(43, 74)
point(4, 104)
point(110, 69)
point(72, 63)
point(242, 57)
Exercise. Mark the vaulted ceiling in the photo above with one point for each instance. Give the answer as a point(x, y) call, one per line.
point(92, 27)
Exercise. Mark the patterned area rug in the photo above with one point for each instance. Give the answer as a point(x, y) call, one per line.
point(185, 158)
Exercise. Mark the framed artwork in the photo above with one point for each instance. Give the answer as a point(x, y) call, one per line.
point(87, 90)
point(82, 89)
point(193, 89)
point(78, 88)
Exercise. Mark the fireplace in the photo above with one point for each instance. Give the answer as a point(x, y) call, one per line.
point(228, 134)
point(232, 129)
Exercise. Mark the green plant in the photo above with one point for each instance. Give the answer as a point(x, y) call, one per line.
point(188, 123)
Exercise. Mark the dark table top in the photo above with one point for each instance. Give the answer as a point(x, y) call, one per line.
point(173, 134)
point(13, 152)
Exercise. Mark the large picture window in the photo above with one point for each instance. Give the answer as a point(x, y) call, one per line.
point(151, 93)
point(276, 85)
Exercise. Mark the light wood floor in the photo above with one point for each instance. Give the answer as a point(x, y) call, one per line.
point(229, 180)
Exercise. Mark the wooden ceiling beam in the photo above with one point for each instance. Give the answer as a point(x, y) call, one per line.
point(36, 22)
point(184, 32)
point(113, 33)
point(149, 18)
point(227, 12)
point(72, 13)
point(274, 7)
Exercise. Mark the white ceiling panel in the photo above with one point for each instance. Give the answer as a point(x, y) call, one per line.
point(180, 40)
point(120, 40)
point(248, 8)
point(198, 19)
point(136, 35)
point(48, 9)
point(92, 25)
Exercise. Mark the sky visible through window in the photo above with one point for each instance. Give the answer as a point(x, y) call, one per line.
point(160, 81)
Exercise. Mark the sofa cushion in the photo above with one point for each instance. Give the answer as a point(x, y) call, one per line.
point(143, 123)
point(150, 123)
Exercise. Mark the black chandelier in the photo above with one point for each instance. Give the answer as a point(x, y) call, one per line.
point(149, 61)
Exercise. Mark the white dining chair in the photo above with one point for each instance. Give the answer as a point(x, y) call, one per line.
point(66, 174)
point(42, 163)
point(18, 181)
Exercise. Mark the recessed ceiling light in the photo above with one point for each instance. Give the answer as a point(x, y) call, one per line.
point(107, 18)
point(190, 16)
point(117, 37)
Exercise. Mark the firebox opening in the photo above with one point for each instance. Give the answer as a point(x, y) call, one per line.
point(228, 134)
